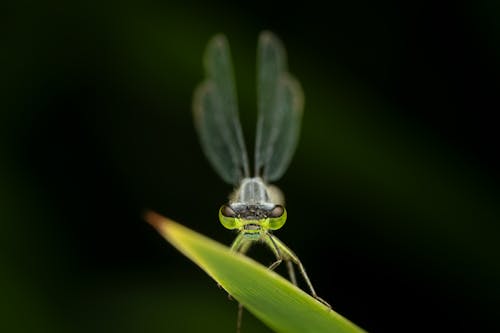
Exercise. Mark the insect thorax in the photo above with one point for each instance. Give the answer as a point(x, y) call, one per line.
point(253, 199)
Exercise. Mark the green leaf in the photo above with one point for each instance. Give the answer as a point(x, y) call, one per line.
point(271, 298)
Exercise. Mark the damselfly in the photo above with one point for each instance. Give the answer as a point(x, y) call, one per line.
point(255, 208)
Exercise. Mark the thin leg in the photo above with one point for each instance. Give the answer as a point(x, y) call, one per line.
point(241, 245)
point(240, 318)
point(245, 246)
point(276, 250)
point(270, 241)
point(237, 243)
point(291, 272)
point(287, 254)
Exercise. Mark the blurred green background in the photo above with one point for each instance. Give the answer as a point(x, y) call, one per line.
point(392, 196)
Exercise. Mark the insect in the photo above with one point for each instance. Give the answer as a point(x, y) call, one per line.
point(255, 208)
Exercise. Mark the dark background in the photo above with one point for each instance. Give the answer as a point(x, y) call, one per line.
point(392, 196)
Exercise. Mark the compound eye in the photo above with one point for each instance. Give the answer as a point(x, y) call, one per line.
point(276, 212)
point(227, 217)
point(277, 217)
point(227, 211)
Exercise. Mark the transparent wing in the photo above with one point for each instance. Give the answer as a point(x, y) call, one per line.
point(216, 114)
point(280, 104)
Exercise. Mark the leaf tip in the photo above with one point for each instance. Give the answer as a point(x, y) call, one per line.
point(154, 219)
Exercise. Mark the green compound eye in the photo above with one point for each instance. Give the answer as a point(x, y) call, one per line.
point(227, 217)
point(277, 217)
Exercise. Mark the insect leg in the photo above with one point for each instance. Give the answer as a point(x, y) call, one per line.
point(237, 243)
point(269, 240)
point(241, 245)
point(240, 318)
point(289, 255)
point(291, 272)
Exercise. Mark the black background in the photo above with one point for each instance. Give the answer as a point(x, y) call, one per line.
point(392, 195)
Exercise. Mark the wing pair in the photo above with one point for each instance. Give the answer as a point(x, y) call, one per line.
point(280, 104)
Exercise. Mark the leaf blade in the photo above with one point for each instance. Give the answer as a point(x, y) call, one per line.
point(271, 298)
